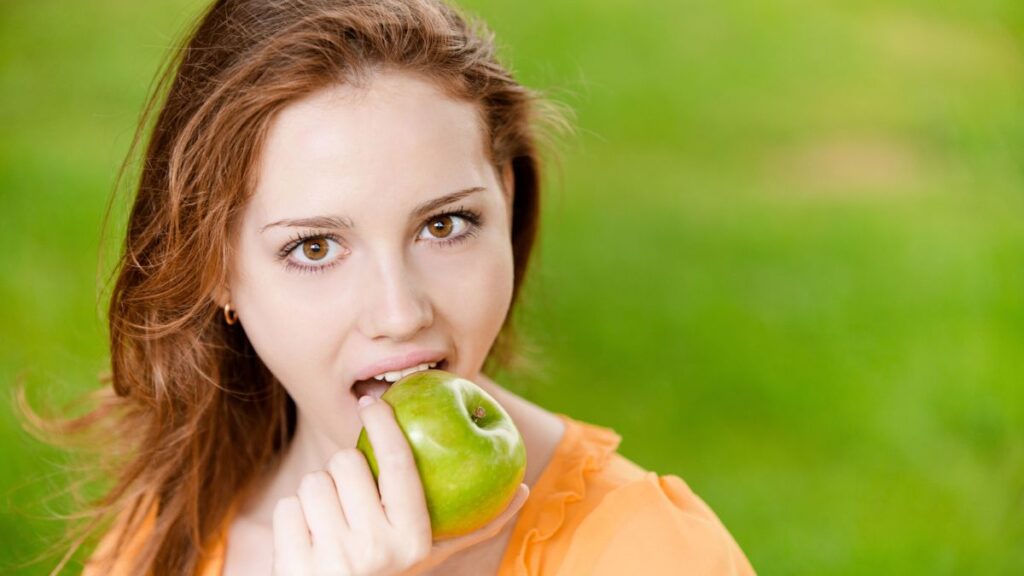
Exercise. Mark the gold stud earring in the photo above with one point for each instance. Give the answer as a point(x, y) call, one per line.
point(230, 316)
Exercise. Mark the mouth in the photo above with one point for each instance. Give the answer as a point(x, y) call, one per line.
point(377, 388)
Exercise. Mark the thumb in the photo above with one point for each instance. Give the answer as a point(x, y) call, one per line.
point(444, 548)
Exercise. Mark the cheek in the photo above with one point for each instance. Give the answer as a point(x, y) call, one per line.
point(284, 342)
point(476, 293)
point(285, 329)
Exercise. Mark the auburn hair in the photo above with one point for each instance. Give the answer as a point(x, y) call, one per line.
point(191, 414)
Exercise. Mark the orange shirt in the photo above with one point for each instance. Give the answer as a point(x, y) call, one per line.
point(594, 512)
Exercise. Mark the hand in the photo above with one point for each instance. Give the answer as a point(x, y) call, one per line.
point(339, 523)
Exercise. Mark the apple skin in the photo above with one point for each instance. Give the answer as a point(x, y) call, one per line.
point(469, 454)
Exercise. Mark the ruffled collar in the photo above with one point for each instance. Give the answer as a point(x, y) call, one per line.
point(583, 449)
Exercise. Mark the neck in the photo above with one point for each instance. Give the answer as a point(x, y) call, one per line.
point(307, 451)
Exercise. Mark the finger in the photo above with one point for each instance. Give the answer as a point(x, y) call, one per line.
point(356, 490)
point(401, 490)
point(321, 508)
point(449, 546)
point(291, 538)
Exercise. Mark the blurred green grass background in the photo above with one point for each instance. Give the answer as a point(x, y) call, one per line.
point(784, 256)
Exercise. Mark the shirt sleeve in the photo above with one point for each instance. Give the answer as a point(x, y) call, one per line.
point(654, 525)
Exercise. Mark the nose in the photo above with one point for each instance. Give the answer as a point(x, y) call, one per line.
point(398, 305)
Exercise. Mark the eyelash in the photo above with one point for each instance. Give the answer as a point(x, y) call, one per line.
point(470, 216)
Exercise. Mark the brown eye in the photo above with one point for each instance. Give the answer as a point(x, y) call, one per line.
point(315, 248)
point(441, 226)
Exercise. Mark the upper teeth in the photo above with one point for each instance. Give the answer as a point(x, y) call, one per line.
point(399, 374)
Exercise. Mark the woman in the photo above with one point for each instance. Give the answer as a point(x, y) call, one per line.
point(336, 191)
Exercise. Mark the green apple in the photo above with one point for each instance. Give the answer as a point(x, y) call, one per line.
point(470, 456)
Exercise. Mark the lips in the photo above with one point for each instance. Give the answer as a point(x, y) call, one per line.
point(377, 388)
point(401, 362)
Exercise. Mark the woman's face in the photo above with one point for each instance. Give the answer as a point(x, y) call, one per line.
point(378, 230)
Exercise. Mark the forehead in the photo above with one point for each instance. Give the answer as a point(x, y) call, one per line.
point(396, 138)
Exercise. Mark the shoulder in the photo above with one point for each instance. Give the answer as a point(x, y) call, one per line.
point(596, 512)
point(656, 524)
point(129, 541)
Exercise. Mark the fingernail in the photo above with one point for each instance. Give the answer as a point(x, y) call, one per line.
point(366, 400)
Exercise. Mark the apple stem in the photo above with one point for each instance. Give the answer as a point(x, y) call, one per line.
point(479, 413)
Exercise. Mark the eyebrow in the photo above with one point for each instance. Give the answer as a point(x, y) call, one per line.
point(340, 222)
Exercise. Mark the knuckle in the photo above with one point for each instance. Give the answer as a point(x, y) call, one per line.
point(373, 559)
point(400, 462)
point(417, 551)
point(381, 561)
point(332, 567)
point(345, 459)
point(285, 505)
point(312, 483)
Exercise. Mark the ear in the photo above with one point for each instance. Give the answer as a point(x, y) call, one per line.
point(222, 296)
